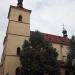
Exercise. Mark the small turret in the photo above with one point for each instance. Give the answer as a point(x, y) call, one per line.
point(64, 32)
point(19, 4)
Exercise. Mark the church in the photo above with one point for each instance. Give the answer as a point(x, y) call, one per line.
point(18, 30)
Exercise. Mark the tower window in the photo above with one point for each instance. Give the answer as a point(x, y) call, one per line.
point(7, 74)
point(67, 72)
point(18, 51)
point(20, 18)
point(18, 71)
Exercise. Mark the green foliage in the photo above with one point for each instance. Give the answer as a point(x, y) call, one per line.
point(72, 47)
point(71, 56)
point(38, 56)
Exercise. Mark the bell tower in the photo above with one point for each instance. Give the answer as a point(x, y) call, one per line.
point(64, 32)
point(18, 30)
point(19, 4)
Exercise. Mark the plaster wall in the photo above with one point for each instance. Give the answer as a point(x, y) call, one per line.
point(62, 51)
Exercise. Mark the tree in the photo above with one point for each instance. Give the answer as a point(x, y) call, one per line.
point(71, 55)
point(38, 56)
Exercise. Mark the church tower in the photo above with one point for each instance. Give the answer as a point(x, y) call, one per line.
point(18, 30)
point(64, 32)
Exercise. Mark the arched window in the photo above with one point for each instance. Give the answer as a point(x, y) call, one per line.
point(7, 74)
point(67, 72)
point(18, 71)
point(20, 18)
point(18, 51)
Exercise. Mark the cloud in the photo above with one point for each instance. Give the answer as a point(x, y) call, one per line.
point(47, 16)
point(2, 34)
point(53, 15)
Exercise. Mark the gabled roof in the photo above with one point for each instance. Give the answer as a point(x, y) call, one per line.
point(57, 39)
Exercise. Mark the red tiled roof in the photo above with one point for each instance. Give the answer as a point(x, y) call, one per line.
point(57, 39)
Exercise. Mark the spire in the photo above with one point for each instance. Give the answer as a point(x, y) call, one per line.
point(64, 31)
point(20, 3)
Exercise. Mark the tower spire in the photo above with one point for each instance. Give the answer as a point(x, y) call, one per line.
point(20, 3)
point(64, 31)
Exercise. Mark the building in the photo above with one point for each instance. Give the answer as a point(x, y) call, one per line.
point(17, 31)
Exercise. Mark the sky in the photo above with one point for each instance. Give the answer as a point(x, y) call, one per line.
point(48, 16)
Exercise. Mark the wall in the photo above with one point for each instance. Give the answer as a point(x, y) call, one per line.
point(62, 51)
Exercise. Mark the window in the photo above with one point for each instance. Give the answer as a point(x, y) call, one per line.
point(7, 74)
point(18, 51)
point(18, 71)
point(67, 72)
point(20, 18)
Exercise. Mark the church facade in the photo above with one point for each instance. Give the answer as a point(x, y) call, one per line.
point(18, 30)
